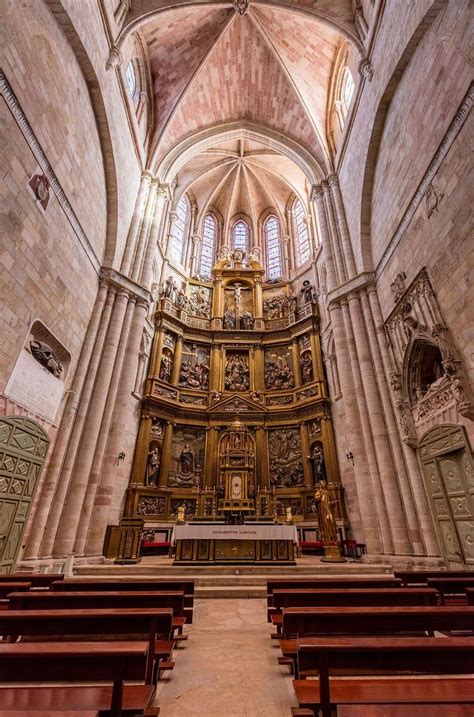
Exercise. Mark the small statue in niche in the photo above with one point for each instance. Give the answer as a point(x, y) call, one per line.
point(246, 321)
point(181, 514)
point(186, 460)
point(43, 353)
point(324, 503)
point(165, 367)
point(307, 293)
point(318, 464)
point(306, 364)
point(458, 391)
point(237, 294)
point(289, 515)
point(170, 289)
point(208, 507)
point(152, 466)
point(229, 319)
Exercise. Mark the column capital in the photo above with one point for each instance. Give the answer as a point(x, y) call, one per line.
point(316, 193)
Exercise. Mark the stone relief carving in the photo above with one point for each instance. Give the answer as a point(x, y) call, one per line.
point(282, 504)
point(432, 200)
point(200, 299)
point(398, 286)
point(43, 353)
point(278, 306)
point(195, 369)
point(278, 368)
point(39, 185)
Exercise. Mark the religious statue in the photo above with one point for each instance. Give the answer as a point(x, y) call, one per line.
point(318, 464)
point(182, 300)
point(152, 466)
point(43, 353)
point(186, 460)
point(199, 303)
point(237, 294)
point(306, 365)
point(229, 319)
point(181, 514)
point(165, 367)
point(324, 503)
point(307, 292)
point(289, 514)
point(246, 321)
point(170, 289)
point(194, 376)
point(278, 374)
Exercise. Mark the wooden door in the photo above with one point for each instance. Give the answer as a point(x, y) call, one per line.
point(447, 467)
point(23, 447)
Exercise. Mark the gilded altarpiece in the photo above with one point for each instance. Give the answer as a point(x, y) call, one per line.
point(242, 350)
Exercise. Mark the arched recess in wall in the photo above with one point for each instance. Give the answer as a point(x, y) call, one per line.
point(378, 127)
point(64, 21)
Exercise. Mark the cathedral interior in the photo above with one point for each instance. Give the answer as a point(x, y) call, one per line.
point(236, 358)
point(236, 266)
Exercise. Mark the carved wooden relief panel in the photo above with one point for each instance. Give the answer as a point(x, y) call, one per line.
point(23, 447)
point(447, 469)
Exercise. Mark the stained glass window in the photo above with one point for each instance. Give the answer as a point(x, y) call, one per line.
point(131, 79)
point(241, 235)
point(301, 232)
point(208, 245)
point(179, 229)
point(273, 248)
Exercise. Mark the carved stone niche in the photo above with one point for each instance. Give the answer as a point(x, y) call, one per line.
point(427, 375)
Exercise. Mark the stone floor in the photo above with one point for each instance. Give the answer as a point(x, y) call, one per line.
point(228, 667)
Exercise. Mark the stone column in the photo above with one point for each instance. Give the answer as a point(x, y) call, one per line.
point(102, 439)
point(78, 487)
point(348, 253)
point(166, 455)
point(386, 470)
point(145, 231)
point(362, 474)
point(261, 445)
point(196, 242)
point(162, 198)
point(172, 216)
point(53, 476)
point(334, 237)
point(418, 512)
point(285, 244)
point(291, 248)
point(136, 223)
point(308, 473)
point(317, 197)
point(65, 463)
point(178, 353)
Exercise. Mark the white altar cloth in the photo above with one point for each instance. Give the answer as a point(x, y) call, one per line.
point(210, 531)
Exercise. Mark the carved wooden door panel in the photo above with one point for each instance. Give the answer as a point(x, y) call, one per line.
point(23, 447)
point(450, 483)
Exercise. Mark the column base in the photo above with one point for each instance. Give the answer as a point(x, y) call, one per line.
point(406, 562)
point(332, 554)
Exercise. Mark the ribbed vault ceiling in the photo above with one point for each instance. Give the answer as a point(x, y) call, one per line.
point(270, 67)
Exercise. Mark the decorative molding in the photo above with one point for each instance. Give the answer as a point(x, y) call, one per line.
point(443, 149)
point(361, 281)
point(19, 116)
point(119, 281)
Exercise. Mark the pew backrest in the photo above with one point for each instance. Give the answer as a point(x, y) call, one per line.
point(420, 577)
point(307, 597)
point(125, 585)
point(451, 586)
point(37, 580)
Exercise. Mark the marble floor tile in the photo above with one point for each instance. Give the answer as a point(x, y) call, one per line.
point(228, 667)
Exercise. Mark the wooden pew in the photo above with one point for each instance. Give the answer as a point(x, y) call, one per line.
point(326, 583)
point(47, 713)
point(431, 710)
point(112, 662)
point(52, 625)
point(372, 621)
point(290, 602)
point(420, 577)
point(470, 596)
point(452, 589)
point(37, 580)
point(9, 587)
point(125, 584)
point(351, 655)
point(86, 600)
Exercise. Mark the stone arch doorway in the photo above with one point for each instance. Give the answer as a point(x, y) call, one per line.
point(447, 465)
point(23, 447)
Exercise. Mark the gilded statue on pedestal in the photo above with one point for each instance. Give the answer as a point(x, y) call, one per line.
point(327, 522)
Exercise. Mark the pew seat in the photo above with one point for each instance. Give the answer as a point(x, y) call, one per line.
point(388, 693)
point(84, 699)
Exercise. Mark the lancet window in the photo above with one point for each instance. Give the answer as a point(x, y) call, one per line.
point(180, 226)
point(301, 232)
point(208, 245)
point(241, 235)
point(272, 236)
point(131, 77)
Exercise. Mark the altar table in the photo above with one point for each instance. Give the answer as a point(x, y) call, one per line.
point(213, 543)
